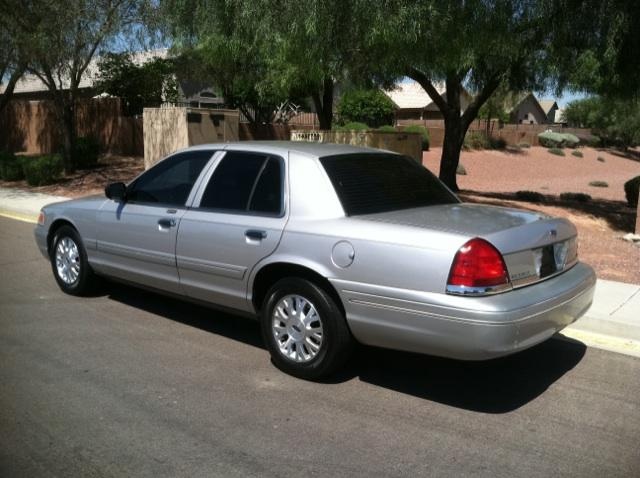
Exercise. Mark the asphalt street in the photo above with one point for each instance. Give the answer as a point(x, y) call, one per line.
point(129, 383)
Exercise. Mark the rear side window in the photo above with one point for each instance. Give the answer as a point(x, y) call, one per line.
point(246, 182)
point(370, 183)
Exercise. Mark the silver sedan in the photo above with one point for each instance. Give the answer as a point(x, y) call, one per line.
point(327, 245)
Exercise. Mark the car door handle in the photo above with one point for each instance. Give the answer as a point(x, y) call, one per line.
point(255, 234)
point(166, 222)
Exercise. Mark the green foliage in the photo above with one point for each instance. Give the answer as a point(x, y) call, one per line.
point(461, 170)
point(372, 107)
point(139, 86)
point(476, 140)
point(530, 196)
point(616, 121)
point(631, 189)
point(550, 139)
point(42, 170)
point(387, 129)
point(577, 154)
point(86, 152)
point(416, 128)
point(556, 151)
point(599, 184)
point(601, 159)
point(353, 126)
point(10, 167)
point(576, 197)
point(497, 143)
point(524, 145)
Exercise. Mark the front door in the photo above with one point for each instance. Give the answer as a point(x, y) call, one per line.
point(237, 221)
point(136, 238)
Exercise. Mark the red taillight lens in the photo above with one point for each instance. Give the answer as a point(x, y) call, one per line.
point(478, 264)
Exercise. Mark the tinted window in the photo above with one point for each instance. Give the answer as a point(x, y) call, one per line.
point(170, 181)
point(267, 195)
point(371, 183)
point(245, 182)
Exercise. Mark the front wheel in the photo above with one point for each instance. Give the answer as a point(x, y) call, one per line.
point(304, 329)
point(69, 262)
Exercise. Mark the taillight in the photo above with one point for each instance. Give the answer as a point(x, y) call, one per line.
point(477, 268)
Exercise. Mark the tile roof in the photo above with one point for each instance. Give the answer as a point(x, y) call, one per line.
point(411, 95)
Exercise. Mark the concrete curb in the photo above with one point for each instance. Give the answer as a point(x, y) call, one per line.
point(612, 322)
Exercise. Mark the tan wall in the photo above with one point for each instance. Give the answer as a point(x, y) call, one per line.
point(511, 133)
point(167, 130)
point(409, 144)
point(31, 126)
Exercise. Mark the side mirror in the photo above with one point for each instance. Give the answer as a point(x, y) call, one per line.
point(116, 191)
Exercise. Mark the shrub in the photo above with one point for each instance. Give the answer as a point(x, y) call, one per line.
point(372, 107)
point(85, 152)
point(387, 129)
point(577, 154)
point(461, 170)
point(578, 197)
point(416, 128)
point(497, 143)
point(599, 184)
point(549, 139)
point(631, 189)
point(514, 149)
point(10, 167)
point(530, 196)
point(524, 145)
point(476, 140)
point(570, 140)
point(556, 151)
point(43, 170)
point(354, 126)
point(601, 159)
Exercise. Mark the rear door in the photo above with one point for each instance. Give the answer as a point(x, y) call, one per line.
point(136, 239)
point(237, 220)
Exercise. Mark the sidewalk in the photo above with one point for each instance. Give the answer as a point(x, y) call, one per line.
point(612, 322)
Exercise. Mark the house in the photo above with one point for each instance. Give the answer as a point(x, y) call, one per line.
point(526, 109)
point(550, 107)
point(412, 101)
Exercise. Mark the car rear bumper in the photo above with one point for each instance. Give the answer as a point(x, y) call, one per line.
point(467, 328)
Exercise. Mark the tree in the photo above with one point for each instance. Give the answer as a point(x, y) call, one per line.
point(477, 44)
point(616, 121)
point(258, 49)
point(64, 37)
point(496, 108)
point(139, 86)
point(371, 107)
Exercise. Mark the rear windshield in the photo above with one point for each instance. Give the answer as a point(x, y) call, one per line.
point(370, 183)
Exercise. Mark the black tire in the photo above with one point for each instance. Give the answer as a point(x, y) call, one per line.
point(85, 281)
point(336, 344)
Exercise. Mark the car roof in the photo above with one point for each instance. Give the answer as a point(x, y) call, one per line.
point(280, 147)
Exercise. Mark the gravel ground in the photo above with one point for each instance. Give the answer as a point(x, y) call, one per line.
point(493, 176)
point(535, 169)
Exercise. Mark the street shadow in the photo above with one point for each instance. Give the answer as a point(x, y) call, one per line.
point(618, 214)
point(494, 386)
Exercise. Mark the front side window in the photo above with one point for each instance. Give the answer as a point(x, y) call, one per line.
point(370, 183)
point(169, 182)
point(246, 182)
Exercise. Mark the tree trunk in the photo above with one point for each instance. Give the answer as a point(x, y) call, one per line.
point(324, 104)
point(65, 113)
point(454, 132)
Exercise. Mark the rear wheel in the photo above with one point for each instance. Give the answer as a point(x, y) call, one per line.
point(304, 329)
point(69, 262)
